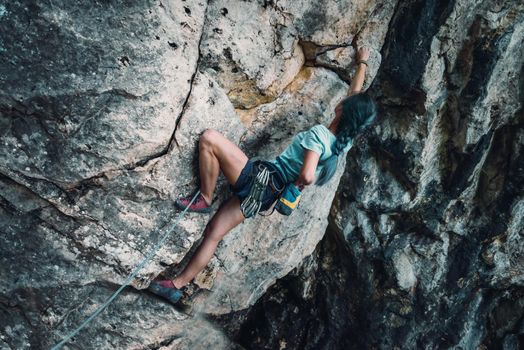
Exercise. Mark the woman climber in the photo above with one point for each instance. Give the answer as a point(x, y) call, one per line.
point(312, 157)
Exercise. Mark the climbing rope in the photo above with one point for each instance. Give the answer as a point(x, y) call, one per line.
point(128, 280)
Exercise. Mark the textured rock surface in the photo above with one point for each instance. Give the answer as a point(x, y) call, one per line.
point(425, 243)
point(101, 106)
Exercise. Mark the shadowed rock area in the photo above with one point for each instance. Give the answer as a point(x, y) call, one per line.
point(415, 243)
point(424, 247)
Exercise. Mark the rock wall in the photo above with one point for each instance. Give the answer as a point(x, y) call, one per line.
point(425, 243)
point(101, 106)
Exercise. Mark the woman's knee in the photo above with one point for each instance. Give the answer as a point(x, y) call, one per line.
point(209, 137)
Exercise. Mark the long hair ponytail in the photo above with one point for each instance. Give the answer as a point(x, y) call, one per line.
point(358, 112)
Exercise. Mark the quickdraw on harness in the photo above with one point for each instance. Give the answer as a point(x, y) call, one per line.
point(288, 195)
point(253, 202)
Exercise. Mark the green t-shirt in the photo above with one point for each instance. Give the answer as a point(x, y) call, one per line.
point(318, 139)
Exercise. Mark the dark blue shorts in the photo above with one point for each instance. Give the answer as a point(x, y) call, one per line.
point(244, 182)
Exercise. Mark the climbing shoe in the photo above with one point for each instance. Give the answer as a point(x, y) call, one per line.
point(198, 206)
point(167, 290)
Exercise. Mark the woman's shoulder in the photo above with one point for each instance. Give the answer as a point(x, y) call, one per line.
point(318, 138)
point(322, 131)
point(317, 133)
point(317, 127)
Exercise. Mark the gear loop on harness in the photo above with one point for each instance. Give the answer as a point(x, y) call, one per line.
point(259, 183)
point(251, 205)
point(262, 180)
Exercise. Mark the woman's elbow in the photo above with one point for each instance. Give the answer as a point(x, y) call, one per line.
point(307, 179)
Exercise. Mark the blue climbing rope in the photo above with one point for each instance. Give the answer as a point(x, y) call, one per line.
point(128, 280)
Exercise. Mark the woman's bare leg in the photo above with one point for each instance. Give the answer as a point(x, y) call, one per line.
point(225, 219)
point(217, 152)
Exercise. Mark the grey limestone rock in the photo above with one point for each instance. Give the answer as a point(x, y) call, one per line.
point(424, 244)
point(415, 243)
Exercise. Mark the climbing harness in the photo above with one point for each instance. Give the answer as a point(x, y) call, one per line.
point(260, 185)
point(251, 204)
point(140, 266)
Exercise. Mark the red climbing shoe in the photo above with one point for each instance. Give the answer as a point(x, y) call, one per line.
point(198, 206)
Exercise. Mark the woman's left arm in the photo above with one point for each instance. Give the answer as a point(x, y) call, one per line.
point(307, 172)
point(358, 79)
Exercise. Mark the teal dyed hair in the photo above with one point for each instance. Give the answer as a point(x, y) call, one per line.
point(358, 112)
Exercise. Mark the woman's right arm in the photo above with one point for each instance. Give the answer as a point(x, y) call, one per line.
point(307, 172)
point(358, 79)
